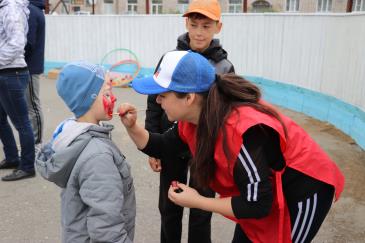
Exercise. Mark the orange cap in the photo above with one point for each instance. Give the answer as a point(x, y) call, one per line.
point(209, 8)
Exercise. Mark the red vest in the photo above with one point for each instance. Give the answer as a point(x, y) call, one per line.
point(300, 153)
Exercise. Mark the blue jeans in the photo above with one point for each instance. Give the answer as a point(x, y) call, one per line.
point(13, 104)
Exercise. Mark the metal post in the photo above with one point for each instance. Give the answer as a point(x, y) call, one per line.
point(245, 6)
point(349, 6)
point(147, 6)
point(46, 7)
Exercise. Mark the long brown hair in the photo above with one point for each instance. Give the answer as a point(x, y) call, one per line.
point(227, 93)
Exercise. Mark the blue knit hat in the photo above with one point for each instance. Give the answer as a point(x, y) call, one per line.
point(79, 84)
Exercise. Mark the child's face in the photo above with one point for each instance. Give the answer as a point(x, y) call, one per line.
point(201, 32)
point(104, 104)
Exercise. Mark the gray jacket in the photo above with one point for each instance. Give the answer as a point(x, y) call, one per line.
point(13, 33)
point(98, 199)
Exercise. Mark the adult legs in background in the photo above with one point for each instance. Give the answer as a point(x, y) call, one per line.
point(13, 104)
point(240, 236)
point(174, 169)
point(7, 138)
point(34, 107)
point(199, 220)
point(199, 230)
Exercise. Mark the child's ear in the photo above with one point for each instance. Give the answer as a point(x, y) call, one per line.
point(186, 22)
point(219, 27)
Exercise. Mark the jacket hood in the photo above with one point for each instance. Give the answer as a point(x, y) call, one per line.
point(39, 3)
point(56, 159)
point(21, 3)
point(214, 52)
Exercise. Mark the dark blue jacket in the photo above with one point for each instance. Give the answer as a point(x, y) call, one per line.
point(34, 50)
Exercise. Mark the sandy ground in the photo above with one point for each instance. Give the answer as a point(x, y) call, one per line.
point(30, 209)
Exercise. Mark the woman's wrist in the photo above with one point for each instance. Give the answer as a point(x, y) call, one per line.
point(139, 135)
point(203, 203)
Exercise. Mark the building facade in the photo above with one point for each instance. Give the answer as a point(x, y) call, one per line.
point(180, 6)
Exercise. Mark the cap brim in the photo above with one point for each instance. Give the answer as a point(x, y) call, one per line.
point(148, 86)
point(203, 12)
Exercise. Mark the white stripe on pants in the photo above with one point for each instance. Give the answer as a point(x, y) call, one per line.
point(34, 107)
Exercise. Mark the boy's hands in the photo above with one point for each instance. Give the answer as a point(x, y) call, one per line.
point(128, 115)
point(155, 164)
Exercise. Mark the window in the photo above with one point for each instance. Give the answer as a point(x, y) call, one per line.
point(235, 6)
point(156, 7)
point(78, 2)
point(76, 8)
point(292, 5)
point(261, 6)
point(182, 6)
point(82, 13)
point(358, 5)
point(132, 7)
point(108, 6)
point(324, 6)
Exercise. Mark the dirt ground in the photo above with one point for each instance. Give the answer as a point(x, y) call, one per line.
point(30, 209)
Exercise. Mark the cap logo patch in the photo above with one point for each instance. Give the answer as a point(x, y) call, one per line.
point(157, 72)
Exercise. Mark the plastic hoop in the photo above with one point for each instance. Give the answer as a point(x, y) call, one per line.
point(119, 80)
point(119, 49)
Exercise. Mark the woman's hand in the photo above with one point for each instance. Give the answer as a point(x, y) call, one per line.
point(189, 197)
point(128, 115)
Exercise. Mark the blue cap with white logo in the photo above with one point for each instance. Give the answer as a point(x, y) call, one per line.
point(179, 71)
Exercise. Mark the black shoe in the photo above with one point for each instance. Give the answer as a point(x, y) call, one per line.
point(4, 164)
point(18, 175)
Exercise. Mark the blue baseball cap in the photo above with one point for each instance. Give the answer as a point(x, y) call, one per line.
point(180, 71)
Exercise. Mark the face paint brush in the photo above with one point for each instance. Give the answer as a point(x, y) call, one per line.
point(123, 114)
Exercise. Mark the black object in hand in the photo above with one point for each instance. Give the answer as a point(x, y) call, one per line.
point(174, 184)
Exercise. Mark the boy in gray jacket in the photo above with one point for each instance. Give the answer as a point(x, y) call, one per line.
point(98, 198)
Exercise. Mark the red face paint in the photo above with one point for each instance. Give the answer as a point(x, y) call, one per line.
point(108, 103)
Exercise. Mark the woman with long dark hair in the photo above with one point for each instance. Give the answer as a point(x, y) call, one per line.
point(274, 181)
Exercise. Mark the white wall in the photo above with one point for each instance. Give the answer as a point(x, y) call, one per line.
point(325, 53)
point(91, 37)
